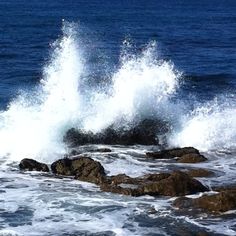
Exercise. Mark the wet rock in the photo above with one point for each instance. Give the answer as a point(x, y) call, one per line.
point(144, 132)
point(156, 177)
point(220, 202)
point(231, 187)
point(173, 184)
point(103, 150)
point(172, 153)
point(32, 165)
point(191, 158)
point(177, 184)
point(184, 231)
point(83, 168)
point(200, 173)
point(76, 137)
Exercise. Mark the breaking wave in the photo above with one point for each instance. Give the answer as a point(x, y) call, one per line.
point(142, 87)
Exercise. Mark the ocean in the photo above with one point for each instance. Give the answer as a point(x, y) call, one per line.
point(92, 64)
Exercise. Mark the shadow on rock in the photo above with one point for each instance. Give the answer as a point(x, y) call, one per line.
point(144, 132)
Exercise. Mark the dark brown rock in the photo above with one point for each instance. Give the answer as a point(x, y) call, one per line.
point(32, 165)
point(156, 177)
point(231, 187)
point(83, 168)
point(177, 184)
point(125, 189)
point(191, 158)
point(172, 153)
point(200, 173)
point(220, 202)
point(174, 184)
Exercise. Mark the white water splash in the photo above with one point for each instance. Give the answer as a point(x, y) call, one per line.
point(211, 126)
point(140, 86)
point(33, 123)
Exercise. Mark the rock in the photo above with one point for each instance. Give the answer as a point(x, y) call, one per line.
point(156, 177)
point(172, 153)
point(125, 190)
point(181, 230)
point(32, 165)
point(231, 187)
point(103, 150)
point(191, 158)
point(144, 132)
point(76, 137)
point(177, 184)
point(173, 184)
point(200, 173)
point(83, 168)
point(216, 203)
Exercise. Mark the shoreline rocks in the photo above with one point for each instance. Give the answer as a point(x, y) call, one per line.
point(183, 155)
point(32, 165)
point(215, 203)
point(82, 168)
point(173, 184)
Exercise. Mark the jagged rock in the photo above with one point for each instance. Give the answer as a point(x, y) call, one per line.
point(32, 165)
point(173, 184)
point(220, 202)
point(177, 184)
point(172, 153)
point(191, 158)
point(200, 173)
point(83, 168)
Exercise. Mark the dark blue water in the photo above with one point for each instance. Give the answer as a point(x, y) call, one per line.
point(199, 37)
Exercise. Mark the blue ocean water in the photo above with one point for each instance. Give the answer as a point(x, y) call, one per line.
point(198, 37)
point(90, 64)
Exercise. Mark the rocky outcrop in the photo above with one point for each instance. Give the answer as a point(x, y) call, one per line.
point(176, 183)
point(32, 165)
point(220, 202)
point(82, 168)
point(144, 132)
point(172, 153)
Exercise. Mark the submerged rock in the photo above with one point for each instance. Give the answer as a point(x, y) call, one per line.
point(103, 150)
point(144, 132)
point(220, 202)
point(32, 165)
point(82, 168)
point(172, 153)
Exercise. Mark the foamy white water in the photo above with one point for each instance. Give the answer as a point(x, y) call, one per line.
point(139, 88)
point(209, 127)
point(33, 124)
